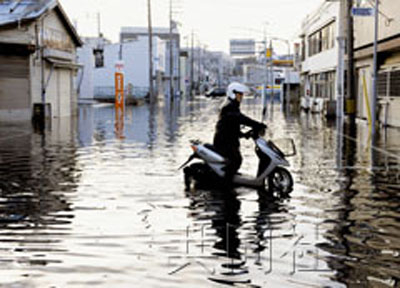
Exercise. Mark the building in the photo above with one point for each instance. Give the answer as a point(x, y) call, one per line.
point(319, 58)
point(37, 60)
point(129, 34)
point(388, 102)
point(91, 57)
point(99, 57)
point(242, 47)
point(185, 72)
point(205, 68)
point(219, 66)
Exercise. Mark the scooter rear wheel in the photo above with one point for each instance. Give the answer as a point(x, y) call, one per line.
point(280, 180)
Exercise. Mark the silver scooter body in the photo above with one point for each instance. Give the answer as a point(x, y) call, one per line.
point(266, 151)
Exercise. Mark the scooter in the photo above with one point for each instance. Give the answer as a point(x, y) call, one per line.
point(271, 171)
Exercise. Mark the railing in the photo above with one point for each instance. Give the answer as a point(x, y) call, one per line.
point(107, 93)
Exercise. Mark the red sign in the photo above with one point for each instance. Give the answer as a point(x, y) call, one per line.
point(119, 85)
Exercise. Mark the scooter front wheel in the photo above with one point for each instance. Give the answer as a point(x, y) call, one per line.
point(280, 180)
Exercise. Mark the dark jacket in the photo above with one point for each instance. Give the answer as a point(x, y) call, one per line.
point(227, 134)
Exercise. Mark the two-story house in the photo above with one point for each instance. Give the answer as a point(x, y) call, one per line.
point(37, 60)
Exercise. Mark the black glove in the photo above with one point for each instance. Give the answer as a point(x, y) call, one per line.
point(263, 126)
point(261, 129)
point(248, 134)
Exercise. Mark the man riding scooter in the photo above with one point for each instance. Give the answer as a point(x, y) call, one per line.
point(227, 134)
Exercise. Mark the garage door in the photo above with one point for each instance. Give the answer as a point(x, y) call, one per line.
point(64, 94)
point(14, 83)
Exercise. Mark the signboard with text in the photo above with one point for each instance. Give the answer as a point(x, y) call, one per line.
point(242, 47)
point(362, 11)
point(119, 84)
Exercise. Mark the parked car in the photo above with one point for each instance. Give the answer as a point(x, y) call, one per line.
point(216, 92)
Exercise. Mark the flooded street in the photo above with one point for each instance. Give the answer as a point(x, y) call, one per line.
point(99, 201)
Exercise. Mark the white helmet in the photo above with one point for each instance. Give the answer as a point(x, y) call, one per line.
point(236, 87)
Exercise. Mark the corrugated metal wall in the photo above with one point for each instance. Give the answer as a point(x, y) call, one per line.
point(14, 82)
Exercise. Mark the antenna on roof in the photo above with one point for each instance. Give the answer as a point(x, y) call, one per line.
point(13, 7)
point(99, 25)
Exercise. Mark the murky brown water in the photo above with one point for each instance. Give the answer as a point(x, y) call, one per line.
point(99, 202)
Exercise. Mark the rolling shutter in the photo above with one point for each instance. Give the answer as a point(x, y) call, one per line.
point(14, 82)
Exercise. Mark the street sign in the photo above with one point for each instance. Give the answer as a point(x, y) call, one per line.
point(268, 53)
point(362, 11)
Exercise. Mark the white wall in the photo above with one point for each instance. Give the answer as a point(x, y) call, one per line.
point(136, 64)
point(364, 26)
point(326, 60)
point(85, 78)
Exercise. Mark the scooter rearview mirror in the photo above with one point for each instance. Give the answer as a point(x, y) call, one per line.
point(187, 162)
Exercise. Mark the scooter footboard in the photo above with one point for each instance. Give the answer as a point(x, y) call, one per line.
point(248, 181)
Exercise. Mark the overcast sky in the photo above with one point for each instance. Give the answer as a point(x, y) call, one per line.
point(213, 21)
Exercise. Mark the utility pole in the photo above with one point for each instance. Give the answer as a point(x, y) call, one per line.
point(265, 66)
point(375, 68)
point(171, 56)
point(350, 61)
point(271, 76)
point(151, 88)
point(289, 79)
point(340, 67)
point(191, 65)
point(42, 71)
point(198, 65)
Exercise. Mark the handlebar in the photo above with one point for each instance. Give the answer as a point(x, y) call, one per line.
point(255, 133)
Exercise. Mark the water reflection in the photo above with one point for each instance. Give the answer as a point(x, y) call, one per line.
point(239, 245)
point(37, 182)
point(363, 236)
point(99, 201)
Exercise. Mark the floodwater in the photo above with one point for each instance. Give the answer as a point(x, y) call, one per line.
point(98, 201)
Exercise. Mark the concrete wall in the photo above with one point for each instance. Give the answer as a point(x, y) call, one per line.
point(326, 60)
point(389, 30)
point(60, 92)
point(85, 78)
point(364, 26)
point(322, 62)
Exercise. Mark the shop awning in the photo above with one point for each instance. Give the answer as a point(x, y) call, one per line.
point(64, 64)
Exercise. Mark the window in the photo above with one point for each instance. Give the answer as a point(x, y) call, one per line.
point(394, 86)
point(332, 36)
point(389, 83)
point(98, 58)
point(323, 85)
point(303, 49)
point(322, 40)
point(331, 85)
point(382, 83)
